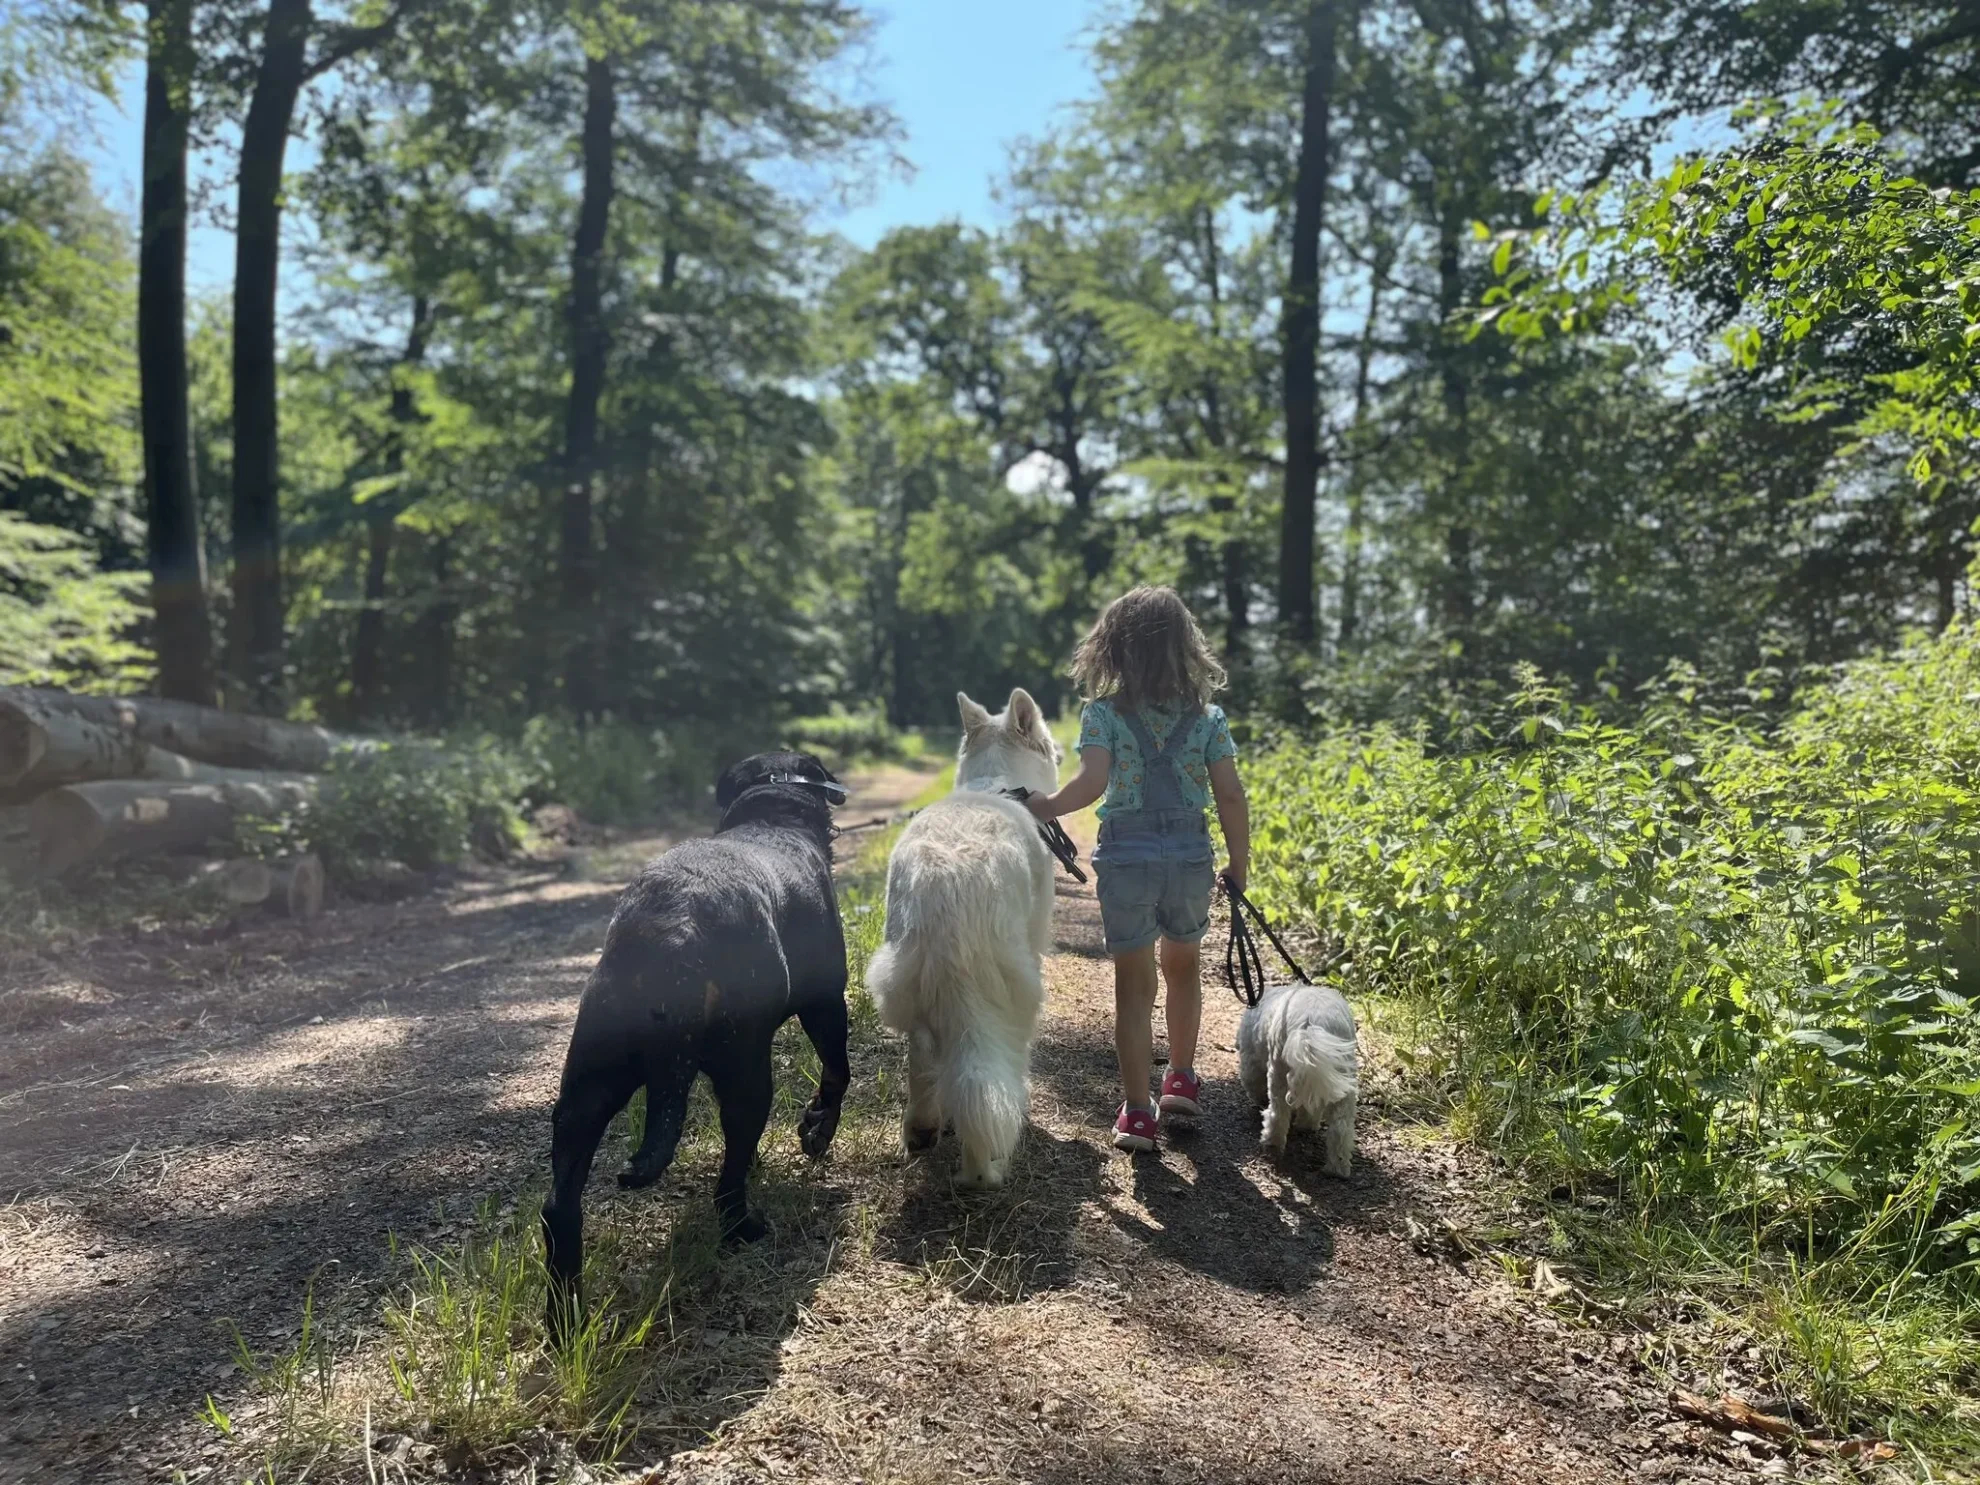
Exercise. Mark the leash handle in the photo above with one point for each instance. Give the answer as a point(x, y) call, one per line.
point(1054, 835)
point(1244, 971)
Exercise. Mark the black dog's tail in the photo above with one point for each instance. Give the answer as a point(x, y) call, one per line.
point(607, 1062)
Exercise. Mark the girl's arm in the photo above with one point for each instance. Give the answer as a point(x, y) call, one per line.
point(1234, 814)
point(1080, 790)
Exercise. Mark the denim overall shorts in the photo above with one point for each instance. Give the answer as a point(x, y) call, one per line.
point(1154, 864)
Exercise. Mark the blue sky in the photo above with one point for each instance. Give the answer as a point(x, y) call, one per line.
point(966, 79)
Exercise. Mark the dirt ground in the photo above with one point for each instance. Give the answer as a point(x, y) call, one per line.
point(190, 1131)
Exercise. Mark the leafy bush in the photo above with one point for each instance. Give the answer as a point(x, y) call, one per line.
point(843, 737)
point(1730, 971)
point(415, 804)
point(615, 771)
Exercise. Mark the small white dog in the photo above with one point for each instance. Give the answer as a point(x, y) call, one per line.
point(969, 918)
point(1297, 1056)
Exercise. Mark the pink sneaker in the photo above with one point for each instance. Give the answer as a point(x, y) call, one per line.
point(1134, 1129)
point(1182, 1093)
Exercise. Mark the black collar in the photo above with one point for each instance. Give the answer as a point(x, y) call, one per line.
point(835, 793)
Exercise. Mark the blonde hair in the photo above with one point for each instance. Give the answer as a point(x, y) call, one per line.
point(1145, 649)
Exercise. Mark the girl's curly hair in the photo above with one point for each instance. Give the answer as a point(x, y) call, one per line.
point(1145, 649)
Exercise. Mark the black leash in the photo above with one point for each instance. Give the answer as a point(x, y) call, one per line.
point(1054, 835)
point(1244, 972)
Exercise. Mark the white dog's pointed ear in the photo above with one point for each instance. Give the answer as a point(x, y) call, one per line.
point(1024, 712)
point(973, 716)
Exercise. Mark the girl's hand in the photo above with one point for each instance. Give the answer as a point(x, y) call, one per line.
point(1234, 874)
point(1041, 806)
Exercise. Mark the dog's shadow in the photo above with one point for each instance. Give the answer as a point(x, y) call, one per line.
point(1216, 1205)
point(996, 1246)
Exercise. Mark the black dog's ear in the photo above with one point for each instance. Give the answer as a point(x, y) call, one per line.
point(731, 782)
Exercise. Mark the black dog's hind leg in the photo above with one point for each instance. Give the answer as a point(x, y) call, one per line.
point(585, 1107)
point(824, 1022)
point(667, 1088)
point(744, 1091)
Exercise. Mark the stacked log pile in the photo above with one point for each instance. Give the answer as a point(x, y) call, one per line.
point(92, 779)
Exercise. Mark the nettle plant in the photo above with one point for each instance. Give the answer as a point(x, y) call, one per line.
point(1725, 969)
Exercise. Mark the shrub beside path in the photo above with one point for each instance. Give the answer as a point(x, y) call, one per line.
point(190, 1131)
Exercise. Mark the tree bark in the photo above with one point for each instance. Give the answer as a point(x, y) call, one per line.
point(1364, 358)
point(183, 631)
point(436, 638)
point(589, 346)
point(228, 739)
point(255, 628)
point(1460, 602)
point(1301, 331)
point(368, 643)
point(43, 747)
point(118, 818)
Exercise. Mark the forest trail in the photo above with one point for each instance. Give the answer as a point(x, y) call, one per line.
point(190, 1131)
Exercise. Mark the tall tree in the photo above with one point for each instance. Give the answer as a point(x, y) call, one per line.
point(174, 545)
point(284, 69)
point(589, 348)
point(1301, 331)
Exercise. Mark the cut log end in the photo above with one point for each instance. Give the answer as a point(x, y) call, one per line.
point(22, 743)
point(298, 887)
point(243, 883)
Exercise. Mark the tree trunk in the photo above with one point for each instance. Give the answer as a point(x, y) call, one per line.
point(1460, 602)
point(1364, 358)
point(228, 739)
point(255, 629)
point(183, 632)
point(589, 345)
point(41, 747)
point(118, 818)
point(436, 638)
point(368, 643)
point(1301, 319)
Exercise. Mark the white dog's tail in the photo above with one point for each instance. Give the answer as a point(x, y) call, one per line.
point(1322, 1066)
point(984, 1091)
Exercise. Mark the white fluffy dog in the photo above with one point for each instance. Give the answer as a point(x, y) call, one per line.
point(1297, 1056)
point(969, 918)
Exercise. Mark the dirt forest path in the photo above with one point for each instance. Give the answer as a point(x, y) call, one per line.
point(190, 1131)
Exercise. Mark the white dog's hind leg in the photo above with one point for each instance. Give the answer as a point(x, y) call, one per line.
point(1339, 1160)
point(1278, 1107)
point(921, 1123)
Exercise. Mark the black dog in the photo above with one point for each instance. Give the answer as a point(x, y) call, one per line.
point(715, 945)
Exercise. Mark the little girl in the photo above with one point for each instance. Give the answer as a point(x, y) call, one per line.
point(1152, 743)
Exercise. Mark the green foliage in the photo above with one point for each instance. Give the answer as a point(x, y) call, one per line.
point(420, 806)
point(846, 737)
point(614, 772)
point(1731, 972)
point(63, 621)
point(1827, 243)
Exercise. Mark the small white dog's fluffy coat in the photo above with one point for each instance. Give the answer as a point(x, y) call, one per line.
point(1297, 1056)
point(969, 918)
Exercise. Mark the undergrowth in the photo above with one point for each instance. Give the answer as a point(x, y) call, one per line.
point(1721, 978)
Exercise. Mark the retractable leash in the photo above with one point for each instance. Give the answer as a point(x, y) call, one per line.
point(1054, 835)
point(1244, 972)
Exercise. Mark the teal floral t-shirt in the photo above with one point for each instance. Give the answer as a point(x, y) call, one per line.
point(1209, 741)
